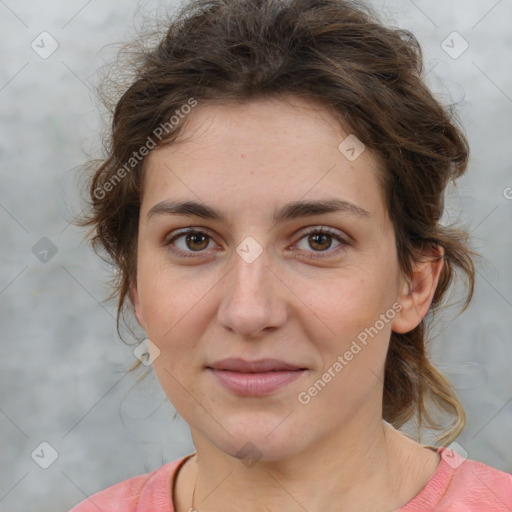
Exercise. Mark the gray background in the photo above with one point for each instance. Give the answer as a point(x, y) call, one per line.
point(62, 363)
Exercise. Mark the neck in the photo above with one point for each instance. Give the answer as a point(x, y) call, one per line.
point(371, 467)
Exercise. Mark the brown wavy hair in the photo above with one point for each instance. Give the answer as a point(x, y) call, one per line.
point(336, 52)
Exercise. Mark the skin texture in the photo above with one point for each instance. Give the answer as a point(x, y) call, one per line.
point(245, 160)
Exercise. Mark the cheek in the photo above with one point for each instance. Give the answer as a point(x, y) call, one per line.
point(346, 319)
point(169, 297)
point(350, 301)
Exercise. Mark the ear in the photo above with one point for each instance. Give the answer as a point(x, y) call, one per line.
point(134, 295)
point(418, 291)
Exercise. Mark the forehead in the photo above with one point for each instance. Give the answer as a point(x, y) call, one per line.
point(263, 153)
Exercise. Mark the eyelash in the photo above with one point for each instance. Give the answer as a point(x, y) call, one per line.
point(312, 254)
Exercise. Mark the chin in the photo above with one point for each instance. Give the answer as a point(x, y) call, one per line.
point(251, 445)
point(250, 452)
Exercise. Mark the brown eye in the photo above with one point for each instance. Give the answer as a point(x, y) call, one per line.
point(320, 241)
point(196, 241)
point(190, 241)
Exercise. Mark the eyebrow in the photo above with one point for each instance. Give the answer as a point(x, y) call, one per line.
point(293, 210)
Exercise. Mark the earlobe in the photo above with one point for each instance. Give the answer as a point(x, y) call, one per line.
point(418, 291)
point(134, 295)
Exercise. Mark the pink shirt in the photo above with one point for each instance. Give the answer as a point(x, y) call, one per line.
point(458, 485)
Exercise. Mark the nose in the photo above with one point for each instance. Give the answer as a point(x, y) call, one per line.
point(253, 298)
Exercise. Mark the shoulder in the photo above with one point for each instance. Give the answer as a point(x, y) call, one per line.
point(135, 494)
point(121, 496)
point(476, 486)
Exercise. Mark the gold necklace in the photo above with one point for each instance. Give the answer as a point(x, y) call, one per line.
point(192, 509)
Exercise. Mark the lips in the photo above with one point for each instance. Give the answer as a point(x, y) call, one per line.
point(254, 378)
point(260, 366)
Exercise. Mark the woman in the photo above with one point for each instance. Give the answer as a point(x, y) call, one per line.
point(272, 201)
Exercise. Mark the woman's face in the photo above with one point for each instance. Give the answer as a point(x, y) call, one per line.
point(313, 288)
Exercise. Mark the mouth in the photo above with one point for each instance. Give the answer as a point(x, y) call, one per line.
point(254, 378)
